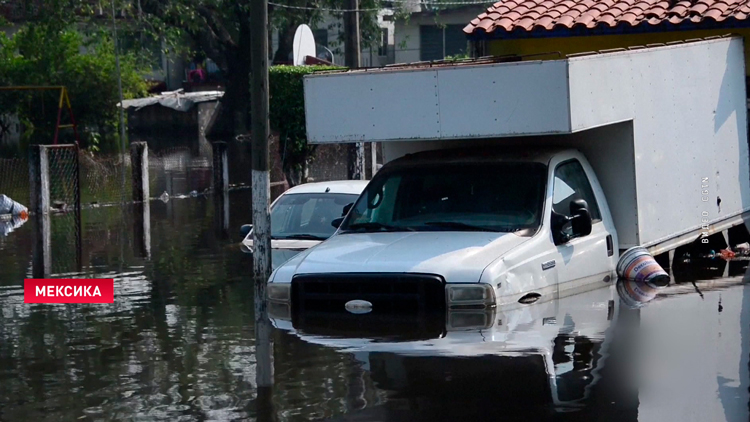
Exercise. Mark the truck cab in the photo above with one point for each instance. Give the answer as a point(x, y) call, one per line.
point(460, 228)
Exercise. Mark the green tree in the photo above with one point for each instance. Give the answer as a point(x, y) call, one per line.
point(42, 54)
point(220, 29)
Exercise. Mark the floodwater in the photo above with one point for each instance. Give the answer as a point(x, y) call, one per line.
point(178, 343)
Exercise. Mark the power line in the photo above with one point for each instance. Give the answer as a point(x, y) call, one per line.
point(439, 3)
point(322, 8)
point(427, 3)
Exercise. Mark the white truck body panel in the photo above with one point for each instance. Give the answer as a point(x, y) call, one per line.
point(654, 133)
point(446, 103)
point(687, 126)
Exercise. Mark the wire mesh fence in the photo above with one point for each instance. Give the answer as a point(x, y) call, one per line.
point(329, 163)
point(64, 189)
point(104, 179)
point(65, 207)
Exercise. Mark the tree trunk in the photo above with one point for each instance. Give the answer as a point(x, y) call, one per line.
point(233, 112)
point(297, 175)
point(286, 39)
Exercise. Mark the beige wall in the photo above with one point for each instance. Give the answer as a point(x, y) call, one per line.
point(571, 45)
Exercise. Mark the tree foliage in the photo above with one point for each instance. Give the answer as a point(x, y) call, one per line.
point(50, 55)
point(287, 118)
point(220, 29)
point(313, 13)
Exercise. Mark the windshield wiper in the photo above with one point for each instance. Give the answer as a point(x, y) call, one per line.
point(301, 237)
point(377, 226)
point(458, 225)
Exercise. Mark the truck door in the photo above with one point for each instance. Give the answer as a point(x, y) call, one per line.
point(581, 261)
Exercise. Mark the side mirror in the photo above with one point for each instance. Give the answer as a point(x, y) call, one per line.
point(346, 209)
point(580, 223)
point(245, 229)
point(581, 218)
point(337, 222)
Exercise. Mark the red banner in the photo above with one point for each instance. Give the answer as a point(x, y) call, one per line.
point(72, 290)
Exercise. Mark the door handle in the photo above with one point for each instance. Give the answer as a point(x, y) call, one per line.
point(610, 246)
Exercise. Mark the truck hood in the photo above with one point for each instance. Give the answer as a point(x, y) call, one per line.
point(460, 257)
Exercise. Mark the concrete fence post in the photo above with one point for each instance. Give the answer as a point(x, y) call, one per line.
point(220, 167)
point(139, 170)
point(142, 229)
point(39, 179)
point(40, 203)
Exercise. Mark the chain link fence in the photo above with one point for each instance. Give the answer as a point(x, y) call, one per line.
point(330, 162)
point(65, 208)
point(104, 179)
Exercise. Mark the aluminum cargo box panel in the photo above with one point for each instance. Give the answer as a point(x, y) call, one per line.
point(510, 99)
point(499, 100)
point(371, 106)
point(688, 107)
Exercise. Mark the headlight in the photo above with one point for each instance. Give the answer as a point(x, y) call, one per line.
point(278, 292)
point(470, 295)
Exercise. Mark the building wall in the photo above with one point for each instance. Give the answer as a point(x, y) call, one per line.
point(407, 38)
point(572, 45)
point(334, 40)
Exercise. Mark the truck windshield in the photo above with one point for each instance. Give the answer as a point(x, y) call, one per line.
point(307, 216)
point(499, 197)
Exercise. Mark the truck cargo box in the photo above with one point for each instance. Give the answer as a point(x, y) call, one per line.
point(664, 127)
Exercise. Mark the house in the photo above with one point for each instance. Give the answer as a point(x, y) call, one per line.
point(425, 33)
point(329, 38)
point(430, 34)
point(518, 27)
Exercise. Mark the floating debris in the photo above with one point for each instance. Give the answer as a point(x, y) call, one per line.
point(11, 207)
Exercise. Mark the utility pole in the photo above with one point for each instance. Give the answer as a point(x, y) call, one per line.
point(356, 151)
point(261, 185)
point(261, 193)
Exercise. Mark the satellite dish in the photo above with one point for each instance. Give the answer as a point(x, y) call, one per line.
point(304, 44)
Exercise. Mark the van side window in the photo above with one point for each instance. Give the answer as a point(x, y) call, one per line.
point(571, 183)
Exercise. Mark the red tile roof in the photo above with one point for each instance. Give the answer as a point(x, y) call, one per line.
point(546, 15)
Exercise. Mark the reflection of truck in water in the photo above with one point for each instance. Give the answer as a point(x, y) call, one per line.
point(557, 348)
point(509, 182)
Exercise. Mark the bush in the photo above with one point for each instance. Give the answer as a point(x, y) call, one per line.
point(287, 117)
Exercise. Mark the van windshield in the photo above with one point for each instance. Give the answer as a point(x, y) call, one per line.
point(499, 197)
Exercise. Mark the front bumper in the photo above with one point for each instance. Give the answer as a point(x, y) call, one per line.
point(392, 326)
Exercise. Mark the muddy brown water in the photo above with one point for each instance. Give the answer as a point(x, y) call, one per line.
point(178, 343)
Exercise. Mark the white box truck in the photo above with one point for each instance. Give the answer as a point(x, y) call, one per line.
point(508, 182)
